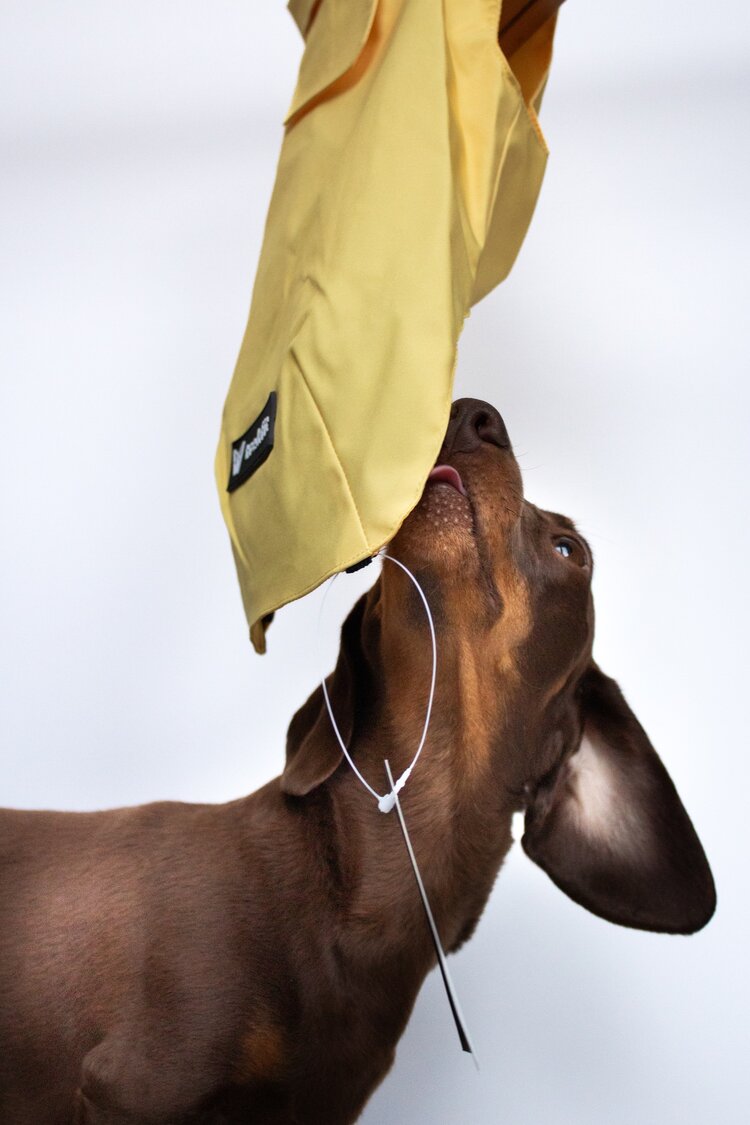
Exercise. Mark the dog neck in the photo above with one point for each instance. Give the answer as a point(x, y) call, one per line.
point(457, 811)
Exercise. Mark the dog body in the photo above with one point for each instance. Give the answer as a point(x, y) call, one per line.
point(185, 962)
point(258, 961)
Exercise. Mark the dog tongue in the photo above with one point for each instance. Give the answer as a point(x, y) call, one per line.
point(446, 474)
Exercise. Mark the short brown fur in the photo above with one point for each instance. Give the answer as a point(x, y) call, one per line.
point(257, 961)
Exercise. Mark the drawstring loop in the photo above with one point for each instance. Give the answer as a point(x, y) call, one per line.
point(387, 801)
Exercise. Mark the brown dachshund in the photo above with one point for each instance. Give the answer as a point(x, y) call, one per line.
point(257, 961)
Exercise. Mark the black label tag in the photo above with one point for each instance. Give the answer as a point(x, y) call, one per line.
point(250, 451)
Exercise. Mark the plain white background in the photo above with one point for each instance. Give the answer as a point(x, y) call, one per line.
point(137, 154)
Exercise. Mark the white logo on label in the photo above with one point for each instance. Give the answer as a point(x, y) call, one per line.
point(247, 448)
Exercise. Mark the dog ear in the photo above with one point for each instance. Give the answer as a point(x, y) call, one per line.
point(610, 830)
point(312, 749)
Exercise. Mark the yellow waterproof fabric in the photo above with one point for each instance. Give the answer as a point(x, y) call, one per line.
point(410, 166)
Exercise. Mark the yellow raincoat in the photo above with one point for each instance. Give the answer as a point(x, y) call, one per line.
point(411, 163)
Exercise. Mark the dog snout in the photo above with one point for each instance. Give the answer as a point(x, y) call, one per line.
point(474, 423)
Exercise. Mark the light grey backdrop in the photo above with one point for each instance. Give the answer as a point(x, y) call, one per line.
point(137, 153)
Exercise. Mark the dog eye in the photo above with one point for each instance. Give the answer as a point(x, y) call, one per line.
point(564, 547)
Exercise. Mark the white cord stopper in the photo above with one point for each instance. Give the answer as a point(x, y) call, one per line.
point(387, 803)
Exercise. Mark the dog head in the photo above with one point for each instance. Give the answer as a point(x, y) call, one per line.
point(520, 700)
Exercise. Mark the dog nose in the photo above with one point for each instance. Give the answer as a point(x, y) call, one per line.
point(473, 422)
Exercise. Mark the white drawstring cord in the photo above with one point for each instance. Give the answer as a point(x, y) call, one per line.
point(388, 800)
